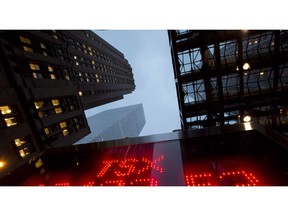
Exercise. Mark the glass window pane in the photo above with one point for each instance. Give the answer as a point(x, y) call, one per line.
point(5, 110)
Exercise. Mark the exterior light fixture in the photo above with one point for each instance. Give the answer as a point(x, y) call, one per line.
point(247, 119)
point(2, 164)
point(246, 66)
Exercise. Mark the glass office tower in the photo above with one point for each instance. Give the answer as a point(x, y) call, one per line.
point(115, 123)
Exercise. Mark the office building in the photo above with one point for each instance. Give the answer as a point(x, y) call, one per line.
point(229, 76)
point(47, 80)
point(115, 123)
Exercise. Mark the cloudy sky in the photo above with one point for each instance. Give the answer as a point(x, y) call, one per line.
point(148, 53)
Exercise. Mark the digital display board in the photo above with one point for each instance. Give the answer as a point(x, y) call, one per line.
point(234, 159)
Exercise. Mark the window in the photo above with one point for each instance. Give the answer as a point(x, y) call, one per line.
point(5, 110)
point(65, 132)
point(80, 93)
point(43, 46)
point(38, 163)
point(50, 69)
point(67, 77)
point(47, 131)
point(52, 76)
point(25, 40)
point(55, 102)
point(34, 67)
point(58, 110)
point(63, 124)
point(37, 75)
point(27, 49)
point(10, 121)
point(20, 141)
point(39, 104)
point(24, 152)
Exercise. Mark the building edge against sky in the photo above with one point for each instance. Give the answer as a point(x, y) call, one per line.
point(118, 123)
point(47, 79)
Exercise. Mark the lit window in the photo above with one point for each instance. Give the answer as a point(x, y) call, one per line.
point(34, 67)
point(5, 110)
point(63, 124)
point(90, 53)
point(55, 36)
point(261, 73)
point(45, 54)
point(27, 49)
point(93, 62)
point(67, 77)
point(10, 121)
point(75, 57)
point(35, 75)
point(80, 93)
point(50, 69)
point(19, 142)
point(55, 102)
point(76, 63)
point(25, 40)
point(65, 132)
point(24, 152)
point(47, 131)
point(42, 46)
point(58, 110)
point(39, 104)
point(52, 76)
point(38, 163)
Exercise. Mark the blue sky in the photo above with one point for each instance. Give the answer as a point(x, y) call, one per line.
point(149, 56)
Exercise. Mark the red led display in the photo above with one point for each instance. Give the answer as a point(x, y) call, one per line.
point(130, 171)
point(144, 165)
point(236, 178)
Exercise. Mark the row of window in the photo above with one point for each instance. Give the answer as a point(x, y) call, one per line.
point(40, 71)
point(97, 65)
point(102, 56)
point(62, 129)
point(93, 92)
point(91, 77)
point(94, 40)
point(257, 46)
point(48, 107)
point(10, 116)
point(33, 46)
point(22, 145)
point(43, 71)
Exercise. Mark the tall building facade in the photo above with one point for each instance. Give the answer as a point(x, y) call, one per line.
point(230, 76)
point(47, 79)
point(115, 123)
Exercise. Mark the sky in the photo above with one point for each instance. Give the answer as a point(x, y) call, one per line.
point(148, 53)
